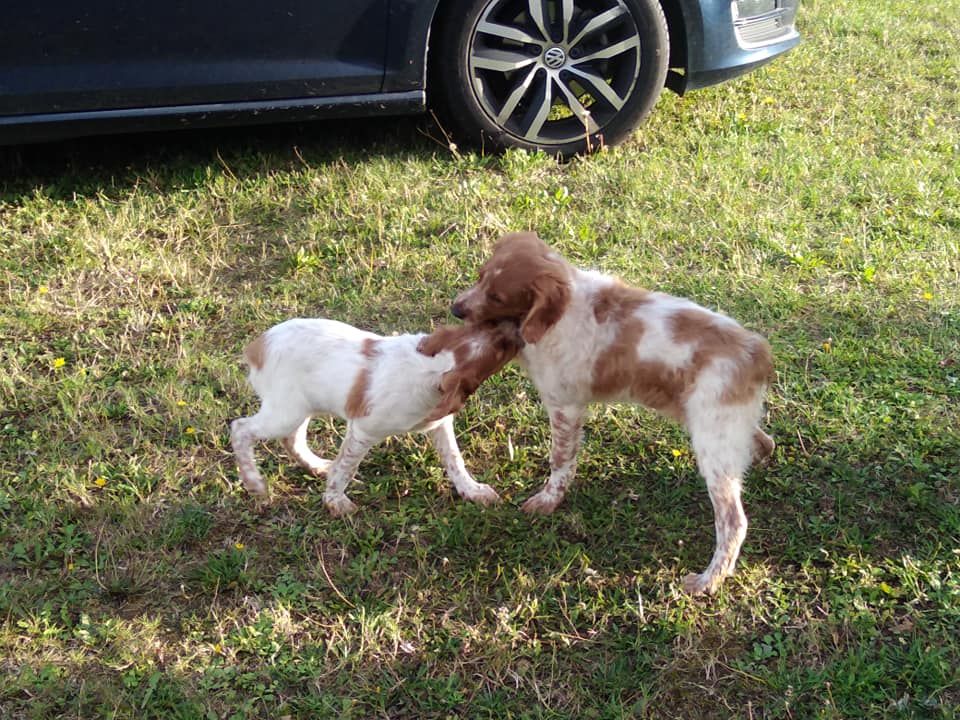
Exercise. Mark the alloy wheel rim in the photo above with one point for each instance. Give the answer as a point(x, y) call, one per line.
point(551, 72)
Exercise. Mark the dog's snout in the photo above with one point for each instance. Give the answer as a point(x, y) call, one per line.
point(458, 310)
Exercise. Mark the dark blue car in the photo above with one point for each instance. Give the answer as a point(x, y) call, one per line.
point(559, 75)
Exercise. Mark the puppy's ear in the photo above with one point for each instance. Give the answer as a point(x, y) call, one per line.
point(439, 339)
point(551, 294)
point(453, 394)
point(509, 339)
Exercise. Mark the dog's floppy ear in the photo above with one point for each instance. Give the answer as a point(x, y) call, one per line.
point(439, 339)
point(453, 394)
point(551, 294)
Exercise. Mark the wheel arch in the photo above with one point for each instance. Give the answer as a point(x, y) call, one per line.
point(677, 31)
point(408, 43)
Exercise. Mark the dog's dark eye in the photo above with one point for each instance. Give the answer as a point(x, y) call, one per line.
point(496, 297)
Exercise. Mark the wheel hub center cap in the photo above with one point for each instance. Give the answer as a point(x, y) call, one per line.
point(554, 58)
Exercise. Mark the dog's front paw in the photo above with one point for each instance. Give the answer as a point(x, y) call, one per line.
point(543, 503)
point(339, 505)
point(254, 484)
point(702, 583)
point(481, 493)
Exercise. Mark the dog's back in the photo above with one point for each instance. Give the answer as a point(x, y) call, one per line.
point(308, 363)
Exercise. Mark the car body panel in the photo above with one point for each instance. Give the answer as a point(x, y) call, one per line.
point(59, 56)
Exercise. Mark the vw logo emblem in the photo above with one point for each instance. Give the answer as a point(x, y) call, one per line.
point(554, 57)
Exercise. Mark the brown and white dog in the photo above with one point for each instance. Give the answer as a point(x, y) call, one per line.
point(381, 386)
point(591, 338)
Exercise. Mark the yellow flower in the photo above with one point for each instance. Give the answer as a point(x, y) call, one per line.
point(190, 430)
point(100, 481)
point(43, 290)
point(70, 567)
point(239, 545)
point(677, 453)
point(181, 403)
point(827, 346)
point(58, 363)
point(768, 100)
point(218, 648)
point(928, 296)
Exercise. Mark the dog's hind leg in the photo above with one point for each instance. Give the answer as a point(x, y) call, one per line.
point(267, 424)
point(296, 446)
point(723, 443)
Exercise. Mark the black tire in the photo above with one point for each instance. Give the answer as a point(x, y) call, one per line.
point(562, 76)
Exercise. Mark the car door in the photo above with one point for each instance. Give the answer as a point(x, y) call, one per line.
point(69, 56)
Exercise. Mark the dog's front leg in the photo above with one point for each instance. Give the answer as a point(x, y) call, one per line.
point(356, 444)
point(566, 432)
point(445, 442)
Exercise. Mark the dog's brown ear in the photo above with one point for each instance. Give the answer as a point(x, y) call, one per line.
point(440, 339)
point(551, 294)
point(453, 395)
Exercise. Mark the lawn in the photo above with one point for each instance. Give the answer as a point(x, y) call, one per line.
point(816, 200)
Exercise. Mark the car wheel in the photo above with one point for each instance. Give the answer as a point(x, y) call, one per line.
point(562, 76)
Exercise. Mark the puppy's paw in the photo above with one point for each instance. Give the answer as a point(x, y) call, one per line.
point(339, 505)
point(319, 467)
point(543, 503)
point(702, 583)
point(480, 493)
point(254, 484)
point(763, 447)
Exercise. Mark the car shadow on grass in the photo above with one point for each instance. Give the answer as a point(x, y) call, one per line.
point(86, 167)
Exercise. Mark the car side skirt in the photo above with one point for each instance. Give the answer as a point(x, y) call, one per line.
point(16, 129)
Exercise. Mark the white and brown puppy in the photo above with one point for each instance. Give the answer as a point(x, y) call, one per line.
point(381, 386)
point(590, 338)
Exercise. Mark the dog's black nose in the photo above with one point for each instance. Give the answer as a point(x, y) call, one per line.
point(457, 310)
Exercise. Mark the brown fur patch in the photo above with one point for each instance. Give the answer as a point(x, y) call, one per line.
point(617, 371)
point(712, 339)
point(358, 402)
point(617, 302)
point(256, 352)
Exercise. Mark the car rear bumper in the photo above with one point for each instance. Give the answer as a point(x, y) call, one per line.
point(727, 38)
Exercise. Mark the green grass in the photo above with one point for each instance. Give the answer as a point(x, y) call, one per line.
point(817, 201)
